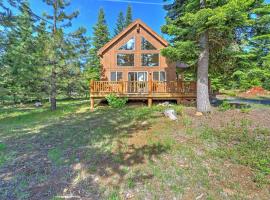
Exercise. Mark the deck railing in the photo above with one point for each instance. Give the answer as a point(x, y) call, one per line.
point(142, 87)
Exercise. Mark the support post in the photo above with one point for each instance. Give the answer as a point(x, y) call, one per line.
point(92, 103)
point(150, 102)
point(179, 101)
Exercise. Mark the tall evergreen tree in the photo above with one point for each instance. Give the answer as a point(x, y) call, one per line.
point(59, 20)
point(204, 30)
point(100, 37)
point(128, 19)
point(19, 57)
point(120, 24)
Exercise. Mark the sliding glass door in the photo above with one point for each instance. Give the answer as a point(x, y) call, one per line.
point(137, 82)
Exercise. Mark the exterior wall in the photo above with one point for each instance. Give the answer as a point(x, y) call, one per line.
point(109, 57)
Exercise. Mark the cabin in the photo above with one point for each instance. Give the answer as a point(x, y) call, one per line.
point(132, 66)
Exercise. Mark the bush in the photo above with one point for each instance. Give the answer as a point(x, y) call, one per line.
point(225, 106)
point(115, 101)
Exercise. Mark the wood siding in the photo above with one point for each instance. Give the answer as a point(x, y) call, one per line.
point(108, 55)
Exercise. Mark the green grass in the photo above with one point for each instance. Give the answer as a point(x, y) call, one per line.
point(242, 146)
point(109, 154)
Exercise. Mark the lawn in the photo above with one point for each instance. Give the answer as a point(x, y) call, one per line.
point(133, 153)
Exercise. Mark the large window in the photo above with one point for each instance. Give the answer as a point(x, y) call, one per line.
point(116, 76)
point(125, 59)
point(146, 45)
point(159, 76)
point(130, 45)
point(150, 60)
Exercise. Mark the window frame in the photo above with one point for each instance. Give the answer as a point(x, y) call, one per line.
point(128, 53)
point(143, 38)
point(133, 37)
point(116, 75)
point(152, 53)
point(159, 72)
point(137, 74)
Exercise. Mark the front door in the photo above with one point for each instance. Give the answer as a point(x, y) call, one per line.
point(137, 82)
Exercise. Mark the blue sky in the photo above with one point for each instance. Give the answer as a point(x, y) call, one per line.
point(150, 11)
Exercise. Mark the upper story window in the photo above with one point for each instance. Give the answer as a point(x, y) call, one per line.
point(146, 45)
point(130, 45)
point(150, 59)
point(124, 59)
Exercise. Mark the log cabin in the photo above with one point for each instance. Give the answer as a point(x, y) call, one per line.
point(132, 66)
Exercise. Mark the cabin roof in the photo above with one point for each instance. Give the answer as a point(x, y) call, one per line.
point(137, 22)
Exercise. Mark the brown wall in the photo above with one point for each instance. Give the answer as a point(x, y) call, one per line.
point(109, 57)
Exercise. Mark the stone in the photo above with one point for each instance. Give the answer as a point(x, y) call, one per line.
point(171, 113)
point(145, 123)
point(199, 114)
point(38, 104)
point(166, 103)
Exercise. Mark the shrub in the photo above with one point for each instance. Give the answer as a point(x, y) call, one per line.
point(225, 106)
point(115, 101)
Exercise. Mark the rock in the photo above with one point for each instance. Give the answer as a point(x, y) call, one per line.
point(166, 103)
point(170, 113)
point(38, 104)
point(145, 123)
point(199, 197)
point(129, 195)
point(199, 114)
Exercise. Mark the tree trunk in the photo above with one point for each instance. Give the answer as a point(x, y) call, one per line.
point(53, 89)
point(53, 74)
point(203, 103)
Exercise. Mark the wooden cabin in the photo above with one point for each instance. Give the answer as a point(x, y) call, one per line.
point(133, 67)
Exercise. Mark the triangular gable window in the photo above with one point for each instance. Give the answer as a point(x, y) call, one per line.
point(146, 45)
point(130, 45)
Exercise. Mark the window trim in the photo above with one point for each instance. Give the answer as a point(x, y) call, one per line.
point(152, 54)
point(155, 48)
point(138, 73)
point(129, 53)
point(159, 76)
point(119, 48)
point(116, 75)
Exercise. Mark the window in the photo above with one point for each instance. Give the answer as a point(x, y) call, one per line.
point(137, 76)
point(150, 60)
point(146, 45)
point(159, 76)
point(116, 76)
point(130, 45)
point(125, 59)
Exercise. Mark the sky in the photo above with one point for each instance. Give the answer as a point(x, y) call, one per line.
point(149, 11)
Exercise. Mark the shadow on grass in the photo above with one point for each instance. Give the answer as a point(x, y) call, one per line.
point(73, 155)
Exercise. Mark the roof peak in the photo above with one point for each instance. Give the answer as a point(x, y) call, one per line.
point(135, 22)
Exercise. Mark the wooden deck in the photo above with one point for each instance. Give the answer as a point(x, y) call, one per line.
point(147, 90)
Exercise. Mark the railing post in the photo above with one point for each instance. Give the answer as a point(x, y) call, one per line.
point(91, 86)
point(150, 86)
point(122, 87)
point(92, 101)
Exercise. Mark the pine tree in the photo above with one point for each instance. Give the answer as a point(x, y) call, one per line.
point(120, 24)
point(128, 19)
point(19, 53)
point(60, 20)
point(101, 33)
point(202, 30)
point(100, 37)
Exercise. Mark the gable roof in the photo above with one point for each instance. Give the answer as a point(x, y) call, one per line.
point(137, 22)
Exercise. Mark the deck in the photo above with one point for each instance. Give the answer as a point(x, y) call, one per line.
point(145, 90)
